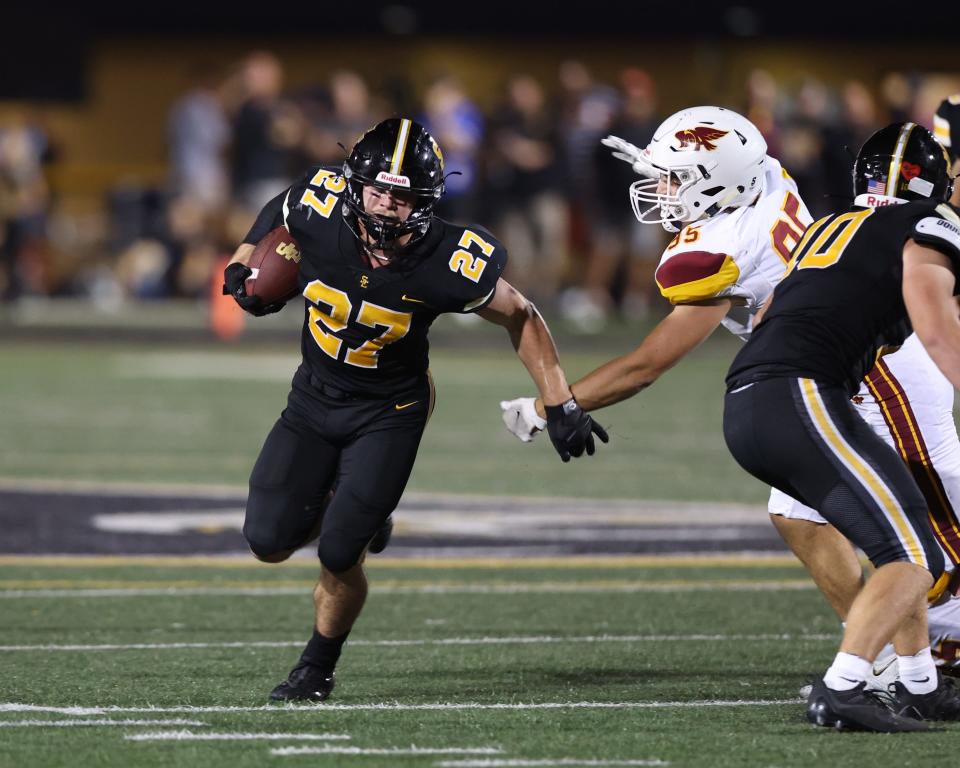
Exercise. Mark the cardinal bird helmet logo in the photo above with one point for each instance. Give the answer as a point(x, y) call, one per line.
point(701, 137)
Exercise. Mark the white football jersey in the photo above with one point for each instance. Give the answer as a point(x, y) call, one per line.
point(740, 253)
point(743, 254)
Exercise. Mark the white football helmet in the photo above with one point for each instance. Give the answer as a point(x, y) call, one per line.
point(708, 159)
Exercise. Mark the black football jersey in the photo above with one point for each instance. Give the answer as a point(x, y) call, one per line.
point(365, 330)
point(842, 300)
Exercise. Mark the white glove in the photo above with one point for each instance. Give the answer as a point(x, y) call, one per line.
point(630, 153)
point(521, 418)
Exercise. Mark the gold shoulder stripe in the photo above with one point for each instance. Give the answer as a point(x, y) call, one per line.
point(706, 287)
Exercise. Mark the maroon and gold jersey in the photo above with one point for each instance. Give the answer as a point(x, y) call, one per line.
point(740, 253)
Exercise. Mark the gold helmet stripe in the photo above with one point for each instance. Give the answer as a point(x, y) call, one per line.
point(398, 151)
point(893, 175)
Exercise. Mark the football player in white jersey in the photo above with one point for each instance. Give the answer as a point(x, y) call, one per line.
point(737, 215)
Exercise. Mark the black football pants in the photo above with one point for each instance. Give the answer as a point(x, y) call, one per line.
point(364, 448)
point(805, 438)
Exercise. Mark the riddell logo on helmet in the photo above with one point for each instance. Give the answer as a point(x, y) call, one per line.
point(700, 137)
point(873, 201)
point(390, 178)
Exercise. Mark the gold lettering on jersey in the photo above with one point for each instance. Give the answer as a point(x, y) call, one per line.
point(689, 234)
point(397, 324)
point(468, 265)
point(289, 251)
point(364, 281)
point(330, 313)
point(824, 242)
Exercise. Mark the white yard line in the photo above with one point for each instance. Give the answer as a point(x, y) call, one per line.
point(546, 763)
point(509, 640)
point(70, 723)
point(191, 736)
point(397, 707)
point(411, 750)
point(458, 589)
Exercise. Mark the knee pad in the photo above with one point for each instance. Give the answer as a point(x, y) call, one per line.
point(265, 546)
point(337, 552)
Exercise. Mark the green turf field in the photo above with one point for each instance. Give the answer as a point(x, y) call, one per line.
point(198, 415)
point(683, 662)
point(486, 664)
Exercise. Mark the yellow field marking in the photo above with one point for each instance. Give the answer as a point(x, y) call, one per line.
point(147, 584)
point(527, 563)
point(587, 584)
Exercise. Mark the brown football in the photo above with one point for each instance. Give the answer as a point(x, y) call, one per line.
point(275, 263)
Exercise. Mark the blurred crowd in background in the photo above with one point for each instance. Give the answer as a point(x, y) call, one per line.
point(531, 169)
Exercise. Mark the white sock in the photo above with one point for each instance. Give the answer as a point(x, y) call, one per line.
point(918, 672)
point(846, 672)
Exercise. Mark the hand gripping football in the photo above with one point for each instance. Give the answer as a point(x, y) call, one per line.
point(275, 263)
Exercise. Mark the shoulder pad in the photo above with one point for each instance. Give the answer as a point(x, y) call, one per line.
point(696, 275)
point(940, 231)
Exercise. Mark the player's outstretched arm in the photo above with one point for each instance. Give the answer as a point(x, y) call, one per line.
point(685, 328)
point(571, 430)
point(928, 282)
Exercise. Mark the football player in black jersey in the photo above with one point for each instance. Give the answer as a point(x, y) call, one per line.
point(377, 268)
point(857, 282)
point(946, 127)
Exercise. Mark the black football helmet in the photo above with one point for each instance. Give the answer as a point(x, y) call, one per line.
point(397, 155)
point(946, 125)
point(900, 163)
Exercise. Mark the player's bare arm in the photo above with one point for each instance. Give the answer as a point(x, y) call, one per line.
point(928, 283)
point(571, 429)
point(684, 329)
point(531, 339)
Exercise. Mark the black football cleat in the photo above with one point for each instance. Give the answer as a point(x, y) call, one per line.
point(855, 710)
point(305, 683)
point(940, 704)
point(382, 537)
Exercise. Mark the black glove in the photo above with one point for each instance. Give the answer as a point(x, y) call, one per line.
point(571, 429)
point(234, 284)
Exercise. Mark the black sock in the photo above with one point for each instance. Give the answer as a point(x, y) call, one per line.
point(322, 651)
